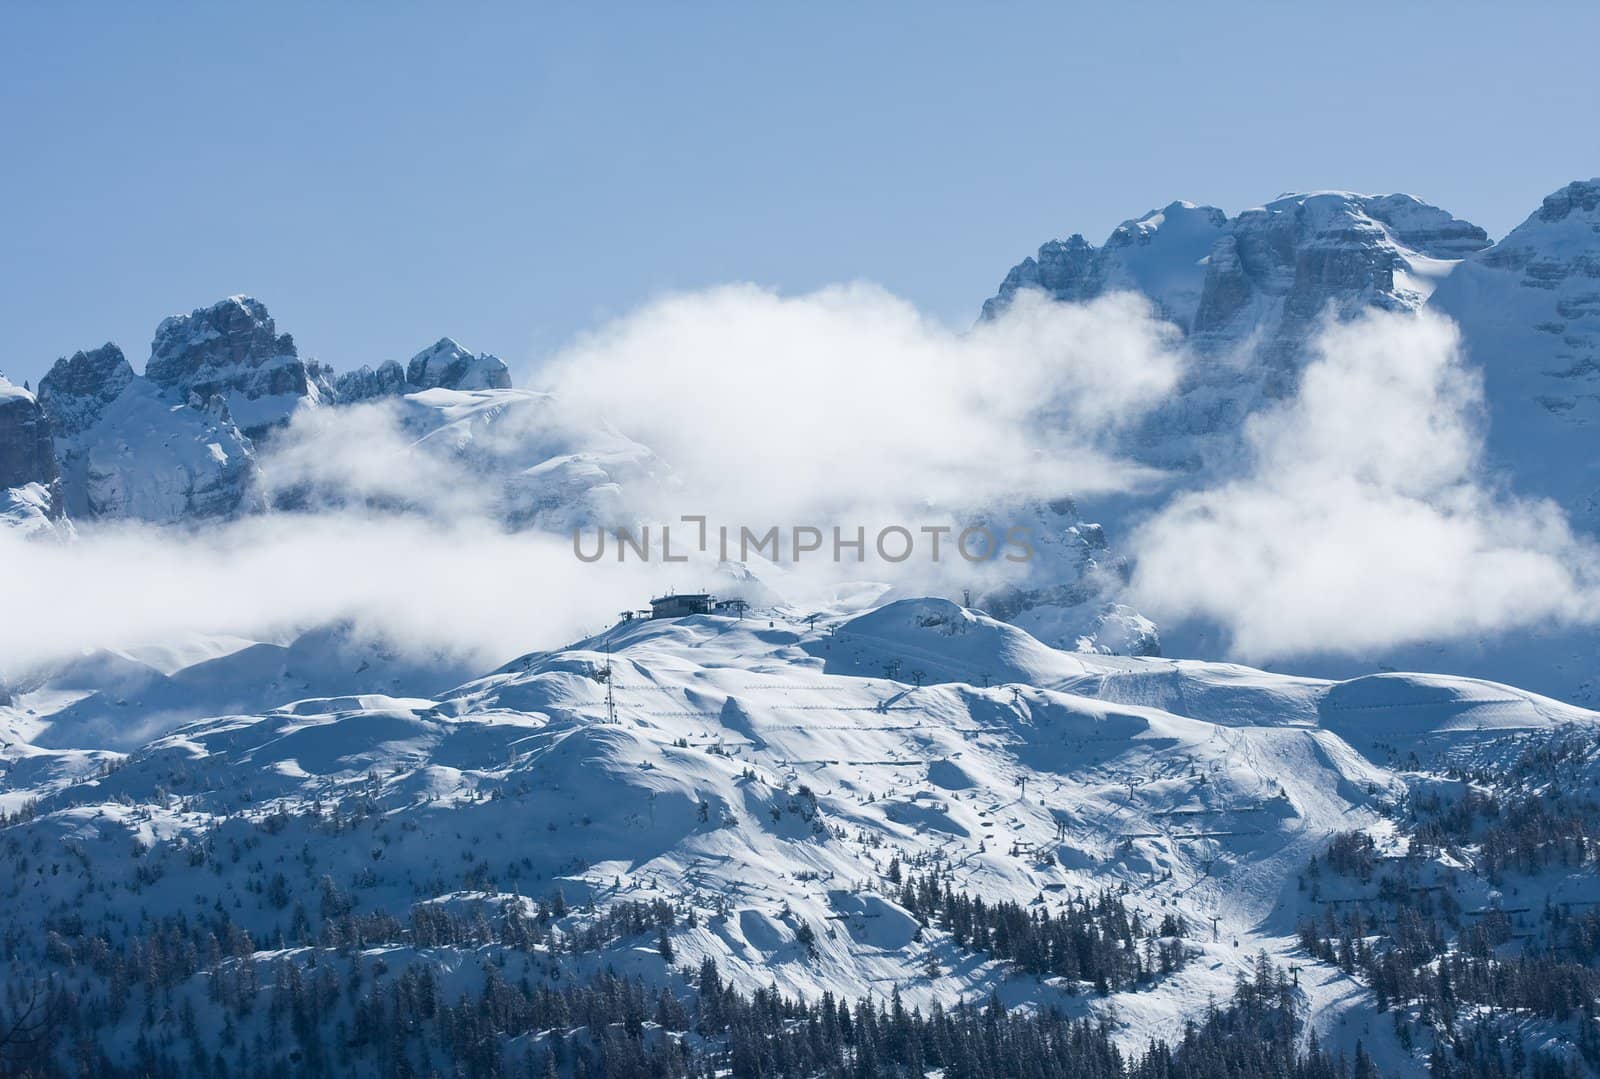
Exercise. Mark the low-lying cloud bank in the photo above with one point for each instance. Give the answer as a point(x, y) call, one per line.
point(468, 589)
point(1366, 518)
point(751, 408)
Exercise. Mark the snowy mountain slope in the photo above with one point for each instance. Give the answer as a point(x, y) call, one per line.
point(118, 700)
point(33, 510)
point(769, 778)
point(1529, 311)
point(1249, 305)
point(129, 449)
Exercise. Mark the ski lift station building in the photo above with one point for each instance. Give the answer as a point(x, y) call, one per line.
point(681, 605)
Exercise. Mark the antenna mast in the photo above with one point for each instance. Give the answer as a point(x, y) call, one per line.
point(611, 700)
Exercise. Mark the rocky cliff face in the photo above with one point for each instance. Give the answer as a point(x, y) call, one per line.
point(26, 449)
point(128, 448)
point(179, 442)
point(1249, 292)
point(77, 390)
point(446, 365)
point(232, 350)
point(1161, 255)
point(30, 489)
point(1529, 310)
point(443, 365)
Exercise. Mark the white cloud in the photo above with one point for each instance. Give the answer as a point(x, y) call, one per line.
point(776, 408)
point(468, 590)
point(1366, 519)
point(842, 406)
point(364, 455)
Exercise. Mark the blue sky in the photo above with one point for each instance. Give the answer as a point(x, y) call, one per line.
point(513, 175)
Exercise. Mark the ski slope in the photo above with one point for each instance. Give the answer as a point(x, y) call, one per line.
point(763, 773)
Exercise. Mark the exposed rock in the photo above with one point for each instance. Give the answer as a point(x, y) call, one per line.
point(27, 457)
point(443, 365)
point(1070, 270)
point(233, 350)
point(75, 392)
point(1250, 292)
point(26, 450)
point(126, 448)
point(1161, 255)
point(365, 384)
point(446, 365)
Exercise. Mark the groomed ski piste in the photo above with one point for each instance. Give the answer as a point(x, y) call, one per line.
point(769, 774)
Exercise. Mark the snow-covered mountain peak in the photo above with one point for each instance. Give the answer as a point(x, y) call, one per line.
point(1412, 224)
point(76, 391)
point(130, 447)
point(442, 365)
point(1276, 266)
point(1179, 221)
point(1250, 292)
point(1160, 254)
point(1580, 196)
point(233, 349)
point(448, 365)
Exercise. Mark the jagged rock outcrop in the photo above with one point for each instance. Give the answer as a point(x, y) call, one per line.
point(365, 384)
point(1162, 255)
point(446, 365)
point(129, 448)
point(178, 443)
point(30, 489)
point(26, 449)
point(1302, 255)
point(442, 365)
point(77, 390)
point(1529, 311)
point(232, 350)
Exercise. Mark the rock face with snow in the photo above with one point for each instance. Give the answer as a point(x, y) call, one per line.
point(232, 350)
point(1529, 311)
point(30, 488)
point(443, 365)
point(179, 443)
point(1249, 291)
point(1162, 255)
point(366, 384)
point(26, 450)
point(447, 365)
point(128, 448)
